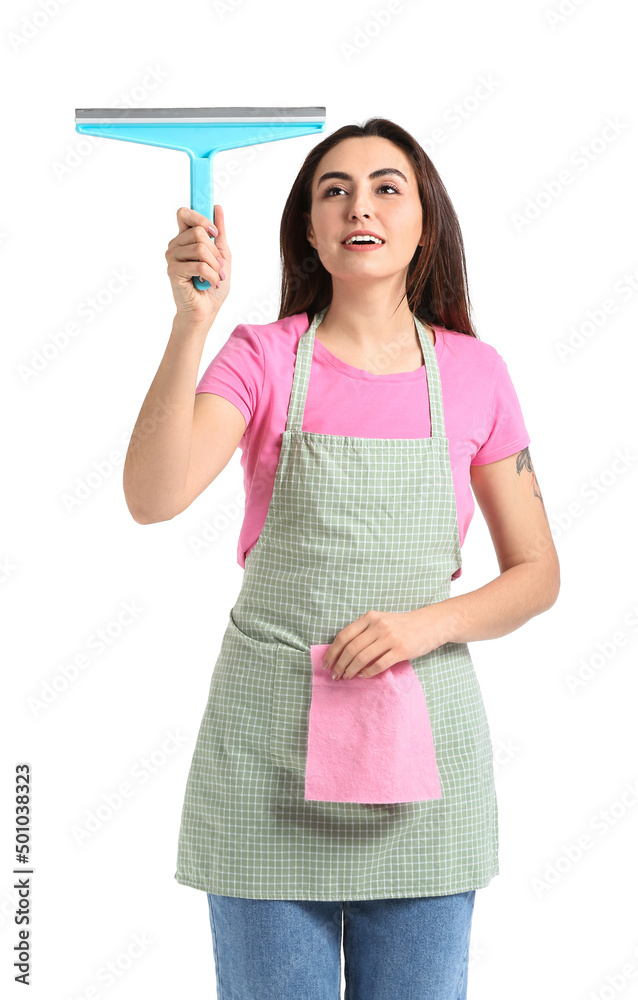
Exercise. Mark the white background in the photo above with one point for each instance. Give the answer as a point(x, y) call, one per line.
point(543, 270)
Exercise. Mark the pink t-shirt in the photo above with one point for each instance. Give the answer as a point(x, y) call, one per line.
point(254, 369)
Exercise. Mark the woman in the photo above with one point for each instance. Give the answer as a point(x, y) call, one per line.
point(364, 414)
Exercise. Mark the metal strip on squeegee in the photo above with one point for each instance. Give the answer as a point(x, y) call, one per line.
point(195, 115)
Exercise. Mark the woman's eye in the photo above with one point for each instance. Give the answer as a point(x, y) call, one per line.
point(338, 187)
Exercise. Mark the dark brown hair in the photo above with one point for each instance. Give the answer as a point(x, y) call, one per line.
point(436, 283)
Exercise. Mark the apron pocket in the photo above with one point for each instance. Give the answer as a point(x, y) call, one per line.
point(242, 694)
point(291, 692)
point(369, 738)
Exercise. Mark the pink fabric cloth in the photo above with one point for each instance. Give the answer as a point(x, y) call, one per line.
point(369, 738)
point(253, 369)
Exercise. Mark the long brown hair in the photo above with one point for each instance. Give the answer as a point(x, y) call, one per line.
point(436, 282)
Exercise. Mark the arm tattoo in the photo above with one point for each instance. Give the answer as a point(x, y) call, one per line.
point(524, 461)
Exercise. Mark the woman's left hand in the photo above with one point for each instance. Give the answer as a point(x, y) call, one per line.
point(379, 639)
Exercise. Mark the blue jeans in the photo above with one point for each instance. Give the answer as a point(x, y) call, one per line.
point(394, 949)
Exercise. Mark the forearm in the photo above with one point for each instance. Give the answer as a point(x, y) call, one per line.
point(501, 606)
point(158, 454)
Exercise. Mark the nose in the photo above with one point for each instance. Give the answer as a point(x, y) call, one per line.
point(359, 208)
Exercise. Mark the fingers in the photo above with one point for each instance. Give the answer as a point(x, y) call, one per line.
point(198, 254)
point(194, 269)
point(187, 217)
point(194, 253)
point(195, 245)
point(357, 659)
point(194, 234)
point(219, 223)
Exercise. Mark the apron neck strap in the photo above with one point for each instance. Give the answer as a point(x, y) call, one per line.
point(303, 363)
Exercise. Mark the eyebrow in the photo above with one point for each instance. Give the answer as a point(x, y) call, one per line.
point(341, 176)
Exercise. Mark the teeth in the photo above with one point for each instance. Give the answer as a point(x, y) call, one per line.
point(363, 239)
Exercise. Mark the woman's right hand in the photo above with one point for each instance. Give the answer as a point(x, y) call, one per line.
point(193, 253)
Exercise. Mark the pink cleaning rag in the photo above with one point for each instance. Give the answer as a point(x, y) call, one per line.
point(369, 738)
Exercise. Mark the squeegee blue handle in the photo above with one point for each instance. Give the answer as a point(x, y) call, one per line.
point(202, 196)
point(200, 137)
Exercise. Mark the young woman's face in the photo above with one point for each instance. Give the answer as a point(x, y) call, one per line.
point(388, 205)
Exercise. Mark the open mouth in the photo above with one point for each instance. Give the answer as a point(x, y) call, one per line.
point(363, 245)
point(363, 241)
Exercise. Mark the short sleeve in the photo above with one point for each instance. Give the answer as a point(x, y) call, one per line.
point(507, 433)
point(237, 371)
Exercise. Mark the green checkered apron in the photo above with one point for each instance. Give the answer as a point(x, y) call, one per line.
point(354, 524)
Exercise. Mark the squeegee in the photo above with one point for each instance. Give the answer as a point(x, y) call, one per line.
point(200, 132)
